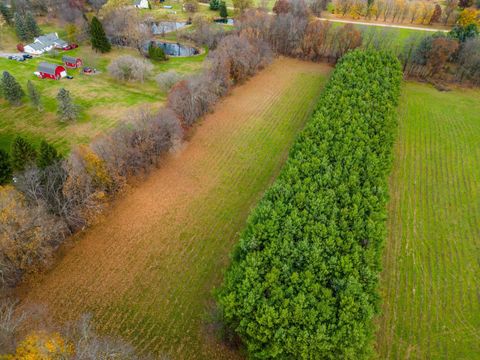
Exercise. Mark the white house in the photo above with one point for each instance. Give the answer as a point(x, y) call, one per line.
point(45, 43)
point(142, 4)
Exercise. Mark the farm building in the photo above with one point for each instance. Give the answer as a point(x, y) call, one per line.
point(45, 43)
point(72, 62)
point(142, 4)
point(50, 71)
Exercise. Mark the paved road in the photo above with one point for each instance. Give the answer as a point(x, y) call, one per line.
point(384, 25)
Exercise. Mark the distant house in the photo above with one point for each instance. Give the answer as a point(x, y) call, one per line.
point(142, 4)
point(72, 62)
point(50, 71)
point(45, 43)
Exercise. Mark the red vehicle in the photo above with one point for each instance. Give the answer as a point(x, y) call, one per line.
point(50, 71)
point(70, 47)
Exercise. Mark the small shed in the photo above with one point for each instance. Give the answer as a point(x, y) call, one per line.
point(142, 4)
point(51, 71)
point(72, 62)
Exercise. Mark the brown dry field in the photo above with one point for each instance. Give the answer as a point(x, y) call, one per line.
point(147, 270)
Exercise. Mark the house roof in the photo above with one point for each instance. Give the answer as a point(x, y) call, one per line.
point(36, 46)
point(50, 40)
point(69, 59)
point(47, 68)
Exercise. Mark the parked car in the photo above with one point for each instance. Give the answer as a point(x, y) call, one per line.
point(69, 77)
point(27, 56)
point(73, 46)
point(88, 70)
point(16, 58)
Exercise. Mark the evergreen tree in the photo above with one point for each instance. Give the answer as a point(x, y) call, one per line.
point(11, 89)
point(98, 38)
point(214, 4)
point(156, 53)
point(20, 27)
point(31, 26)
point(67, 110)
point(47, 155)
point(34, 95)
point(6, 13)
point(23, 154)
point(223, 10)
point(5, 167)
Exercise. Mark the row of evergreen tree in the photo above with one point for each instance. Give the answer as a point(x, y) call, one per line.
point(303, 279)
point(23, 154)
point(11, 90)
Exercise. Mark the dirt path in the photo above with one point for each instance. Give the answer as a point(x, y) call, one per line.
point(147, 270)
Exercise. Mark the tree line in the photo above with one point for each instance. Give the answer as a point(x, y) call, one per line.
point(303, 278)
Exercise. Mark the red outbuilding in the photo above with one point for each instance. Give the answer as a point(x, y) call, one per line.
point(72, 62)
point(50, 71)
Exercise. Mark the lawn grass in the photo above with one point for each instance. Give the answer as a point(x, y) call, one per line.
point(430, 282)
point(94, 94)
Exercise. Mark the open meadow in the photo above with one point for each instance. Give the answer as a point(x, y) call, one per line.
point(430, 283)
point(147, 271)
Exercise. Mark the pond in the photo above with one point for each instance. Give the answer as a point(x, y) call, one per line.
point(174, 49)
point(224, 21)
point(164, 27)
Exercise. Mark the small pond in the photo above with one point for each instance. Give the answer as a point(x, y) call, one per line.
point(174, 49)
point(164, 27)
point(224, 21)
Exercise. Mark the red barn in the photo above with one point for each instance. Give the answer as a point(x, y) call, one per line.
point(51, 71)
point(72, 62)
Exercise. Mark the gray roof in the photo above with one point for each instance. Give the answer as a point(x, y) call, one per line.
point(50, 40)
point(47, 68)
point(69, 59)
point(36, 46)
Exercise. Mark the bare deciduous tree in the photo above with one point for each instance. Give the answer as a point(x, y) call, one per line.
point(129, 68)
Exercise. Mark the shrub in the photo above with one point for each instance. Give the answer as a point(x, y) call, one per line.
point(167, 79)
point(303, 279)
point(156, 53)
point(129, 68)
point(214, 4)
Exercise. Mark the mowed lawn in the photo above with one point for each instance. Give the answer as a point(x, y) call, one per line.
point(102, 101)
point(430, 283)
point(147, 271)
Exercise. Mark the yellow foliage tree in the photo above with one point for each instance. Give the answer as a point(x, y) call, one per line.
point(96, 168)
point(41, 345)
point(469, 16)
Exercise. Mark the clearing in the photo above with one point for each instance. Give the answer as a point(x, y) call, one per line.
point(147, 270)
point(430, 283)
point(94, 94)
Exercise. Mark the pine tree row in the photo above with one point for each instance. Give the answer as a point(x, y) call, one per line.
point(303, 279)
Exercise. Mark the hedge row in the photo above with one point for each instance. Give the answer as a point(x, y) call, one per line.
point(304, 276)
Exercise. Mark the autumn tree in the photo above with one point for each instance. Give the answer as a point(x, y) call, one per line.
point(97, 36)
point(437, 14)
point(242, 5)
point(11, 89)
point(23, 154)
point(469, 16)
point(449, 9)
point(66, 109)
point(347, 38)
point(442, 49)
point(281, 7)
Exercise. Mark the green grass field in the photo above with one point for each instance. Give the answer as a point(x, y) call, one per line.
point(432, 258)
point(94, 94)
